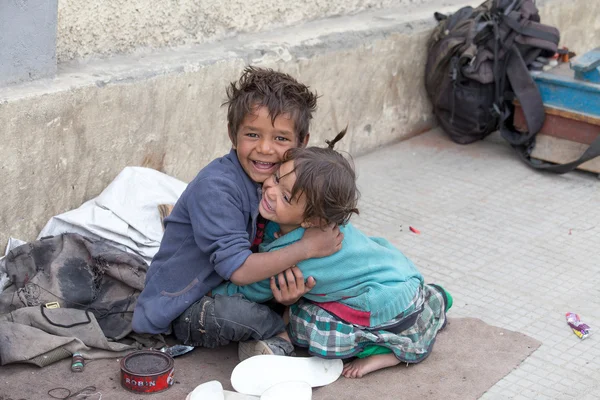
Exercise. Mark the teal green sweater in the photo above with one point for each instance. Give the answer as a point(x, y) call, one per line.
point(368, 282)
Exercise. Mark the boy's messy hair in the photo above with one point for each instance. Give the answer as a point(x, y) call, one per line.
point(278, 92)
point(328, 181)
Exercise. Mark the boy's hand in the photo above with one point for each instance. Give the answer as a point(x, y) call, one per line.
point(291, 286)
point(322, 241)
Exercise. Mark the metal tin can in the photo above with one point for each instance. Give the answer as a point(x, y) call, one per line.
point(147, 371)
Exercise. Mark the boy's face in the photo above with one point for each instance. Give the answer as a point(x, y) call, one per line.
point(261, 144)
point(277, 204)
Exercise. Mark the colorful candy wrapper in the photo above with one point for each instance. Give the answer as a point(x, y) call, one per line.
point(579, 328)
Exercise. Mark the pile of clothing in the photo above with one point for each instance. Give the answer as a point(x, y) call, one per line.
point(74, 289)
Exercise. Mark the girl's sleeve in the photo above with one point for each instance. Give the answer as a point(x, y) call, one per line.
point(258, 292)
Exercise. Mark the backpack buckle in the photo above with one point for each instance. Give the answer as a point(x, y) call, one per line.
point(529, 146)
point(496, 110)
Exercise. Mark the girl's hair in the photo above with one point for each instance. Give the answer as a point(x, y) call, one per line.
point(280, 93)
point(328, 181)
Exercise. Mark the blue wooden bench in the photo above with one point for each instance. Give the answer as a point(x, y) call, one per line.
point(571, 96)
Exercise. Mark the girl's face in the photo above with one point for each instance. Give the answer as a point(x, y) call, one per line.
point(277, 204)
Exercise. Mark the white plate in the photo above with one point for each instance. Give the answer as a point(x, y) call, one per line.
point(257, 374)
point(293, 390)
point(213, 390)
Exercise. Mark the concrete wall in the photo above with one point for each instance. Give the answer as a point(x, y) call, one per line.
point(27, 39)
point(63, 140)
point(103, 27)
point(578, 21)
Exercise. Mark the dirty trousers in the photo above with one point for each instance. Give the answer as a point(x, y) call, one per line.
point(213, 322)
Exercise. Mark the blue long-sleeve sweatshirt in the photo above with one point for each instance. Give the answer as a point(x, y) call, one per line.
point(368, 282)
point(207, 237)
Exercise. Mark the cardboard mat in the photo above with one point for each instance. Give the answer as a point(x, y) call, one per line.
point(468, 358)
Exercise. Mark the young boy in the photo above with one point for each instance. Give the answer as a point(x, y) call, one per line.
point(209, 233)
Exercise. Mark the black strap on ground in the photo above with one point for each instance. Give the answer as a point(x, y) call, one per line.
point(89, 320)
point(531, 102)
point(592, 152)
point(64, 393)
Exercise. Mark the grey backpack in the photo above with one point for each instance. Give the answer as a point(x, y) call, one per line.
point(477, 65)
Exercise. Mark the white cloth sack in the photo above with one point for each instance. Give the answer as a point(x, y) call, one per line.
point(125, 214)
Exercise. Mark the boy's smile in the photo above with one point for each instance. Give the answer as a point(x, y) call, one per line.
point(261, 142)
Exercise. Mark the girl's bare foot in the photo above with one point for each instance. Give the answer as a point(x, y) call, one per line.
point(362, 366)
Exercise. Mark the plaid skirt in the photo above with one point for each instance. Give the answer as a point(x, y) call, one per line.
point(327, 336)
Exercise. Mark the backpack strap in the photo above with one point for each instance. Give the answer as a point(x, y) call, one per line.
point(529, 97)
point(524, 152)
point(530, 28)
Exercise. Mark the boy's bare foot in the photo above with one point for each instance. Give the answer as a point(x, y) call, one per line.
point(362, 366)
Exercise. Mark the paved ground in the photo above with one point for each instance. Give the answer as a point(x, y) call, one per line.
point(517, 248)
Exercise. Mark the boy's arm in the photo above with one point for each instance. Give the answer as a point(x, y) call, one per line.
point(316, 243)
point(219, 228)
point(287, 288)
point(258, 292)
point(219, 223)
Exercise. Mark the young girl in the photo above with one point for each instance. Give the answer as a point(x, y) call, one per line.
point(369, 300)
